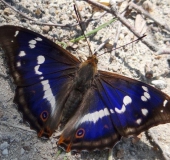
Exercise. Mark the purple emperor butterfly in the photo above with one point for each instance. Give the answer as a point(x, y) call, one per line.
point(54, 87)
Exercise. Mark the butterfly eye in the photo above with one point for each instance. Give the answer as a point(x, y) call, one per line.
point(80, 133)
point(44, 115)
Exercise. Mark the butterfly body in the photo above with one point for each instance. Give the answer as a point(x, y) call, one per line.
point(53, 87)
point(82, 81)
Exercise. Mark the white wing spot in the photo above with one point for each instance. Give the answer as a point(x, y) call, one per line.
point(40, 59)
point(144, 111)
point(49, 95)
point(127, 100)
point(165, 102)
point(145, 88)
point(147, 95)
point(138, 121)
point(86, 118)
point(161, 111)
point(143, 98)
point(101, 113)
point(106, 112)
point(31, 46)
point(41, 78)
point(22, 54)
point(111, 110)
point(18, 64)
point(95, 116)
point(122, 110)
point(12, 41)
point(38, 39)
point(16, 33)
point(36, 70)
point(32, 42)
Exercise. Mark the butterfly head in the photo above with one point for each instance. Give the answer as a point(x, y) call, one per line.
point(91, 62)
point(92, 59)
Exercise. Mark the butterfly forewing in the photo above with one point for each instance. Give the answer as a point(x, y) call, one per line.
point(134, 106)
point(42, 71)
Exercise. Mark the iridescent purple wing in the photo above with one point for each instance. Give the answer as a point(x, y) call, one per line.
point(43, 73)
point(113, 107)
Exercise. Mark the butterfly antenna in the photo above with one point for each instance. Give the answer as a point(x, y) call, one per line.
point(123, 45)
point(79, 19)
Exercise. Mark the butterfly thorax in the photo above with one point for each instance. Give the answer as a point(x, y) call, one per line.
point(82, 82)
point(86, 73)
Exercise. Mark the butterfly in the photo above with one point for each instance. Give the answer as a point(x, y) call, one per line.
point(96, 108)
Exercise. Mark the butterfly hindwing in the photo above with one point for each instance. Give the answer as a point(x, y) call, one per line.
point(42, 71)
point(91, 130)
point(116, 106)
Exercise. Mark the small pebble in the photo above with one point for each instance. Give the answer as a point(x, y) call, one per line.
point(132, 153)
point(4, 145)
point(148, 6)
point(5, 152)
point(22, 151)
point(27, 148)
point(7, 11)
point(160, 84)
point(4, 118)
point(52, 11)
point(45, 29)
point(120, 153)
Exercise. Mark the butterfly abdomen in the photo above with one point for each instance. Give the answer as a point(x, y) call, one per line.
point(82, 82)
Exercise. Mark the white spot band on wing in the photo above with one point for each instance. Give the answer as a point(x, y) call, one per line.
point(32, 42)
point(16, 33)
point(144, 111)
point(95, 116)
point(126, 100)
point(31, 46)
point(48, 95)
point(143, 98)
point(165, 102)
point(38, 39)
point(36, 70)
point(111, 110)
point(147, 95)
point(138, 121)
point(40, 59)
point(145, 88)
point(122, 110)
point(21, 54)
point(18, 64)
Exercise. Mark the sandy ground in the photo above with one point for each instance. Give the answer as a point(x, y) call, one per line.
point(19, 142)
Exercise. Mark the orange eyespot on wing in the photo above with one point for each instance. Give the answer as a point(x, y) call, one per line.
point(80, 133)
point(44, 116)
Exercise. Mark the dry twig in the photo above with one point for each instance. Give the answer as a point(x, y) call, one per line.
point(125, 22)
point(146, 14)
point(163, 51)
